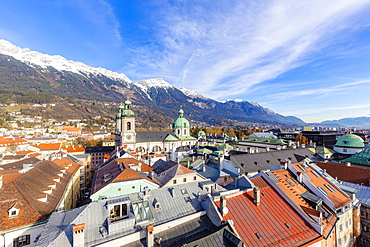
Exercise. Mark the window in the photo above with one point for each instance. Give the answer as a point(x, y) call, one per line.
point(133, 187)
point(344, 150)
point(174, 181)
point(128, 125)
point(329, 187)
point(118, 212)
point(21, 241)
point(184, 180)
point(142, 211)
point(119, 189)
point(340, 228)
point(322, 191)
point(195, 178)
point(184, 192)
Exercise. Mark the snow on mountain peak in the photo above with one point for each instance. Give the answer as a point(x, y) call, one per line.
point(156, 82)
point(191, 93)
point(56, 61)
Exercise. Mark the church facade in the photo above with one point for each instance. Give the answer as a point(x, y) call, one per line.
point(145, 142)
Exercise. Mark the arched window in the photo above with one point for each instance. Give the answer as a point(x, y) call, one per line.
point(184, 125)
point(140, 149)
point(128, 125)
point(184, 132)
point(178, 132)
point(156, 149)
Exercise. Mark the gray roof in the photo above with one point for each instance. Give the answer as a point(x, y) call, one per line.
point(20, 164)
point(263, 134)
point(363, 193)
point(153, 136)
point(197, 232)
point(106, 149)
point(267, 159)
point(213, 172)
point(183, 200)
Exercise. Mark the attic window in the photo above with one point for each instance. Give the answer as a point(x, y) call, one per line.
point(187, 199)
point(329, 187)
point(13, 212)
point(322, 191)
point(258, 235)
point(184, 192)
point(287, 225)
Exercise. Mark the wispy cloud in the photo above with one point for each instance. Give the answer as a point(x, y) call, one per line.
point(320, 91)
point(223, 49)
point(101, 13)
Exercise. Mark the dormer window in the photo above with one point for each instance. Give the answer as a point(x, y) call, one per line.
point(13, 212)
point(117, 212)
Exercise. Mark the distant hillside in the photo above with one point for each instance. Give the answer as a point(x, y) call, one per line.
point(361, 122)
point(31, 72)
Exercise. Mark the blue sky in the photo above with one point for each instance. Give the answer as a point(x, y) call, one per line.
point(310, 59)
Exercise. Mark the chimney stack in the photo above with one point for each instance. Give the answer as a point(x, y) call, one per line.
point(78, 235)
point(256, 196)
point(150, 236)
point(223, 208)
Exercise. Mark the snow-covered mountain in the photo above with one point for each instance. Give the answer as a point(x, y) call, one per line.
point(26, 70)
point(58, 62)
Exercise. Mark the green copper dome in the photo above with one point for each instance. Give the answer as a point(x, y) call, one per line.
point(351, 141)
point(201, 133)
point(181, 121)
point(125, 110)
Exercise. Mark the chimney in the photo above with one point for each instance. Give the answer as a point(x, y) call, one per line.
point(348, 163)
point(140, 166)
point(256, 196)
point(223, 208)
point(150, 236)
point(267, 148)
point(78, 235)
point(278, 147)
point(204, 168)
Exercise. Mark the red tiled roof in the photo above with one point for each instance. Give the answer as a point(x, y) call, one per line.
point(73, 149)
point(9, 197)
point(64, 163)
point(10, 174)
point(268, 219)
point(260, 182)
point(128, 174)
point(338, 197)
point(49, 146)
point(350, 174)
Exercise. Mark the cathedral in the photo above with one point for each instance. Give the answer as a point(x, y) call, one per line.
point(165, 142)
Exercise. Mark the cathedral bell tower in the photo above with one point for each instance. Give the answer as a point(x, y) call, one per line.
point(125, 125)
point(181, 125)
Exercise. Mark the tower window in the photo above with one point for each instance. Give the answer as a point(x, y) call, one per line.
point(128, 125)
point(184, 125)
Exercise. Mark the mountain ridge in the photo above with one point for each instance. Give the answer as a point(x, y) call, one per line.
point(27, 70)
